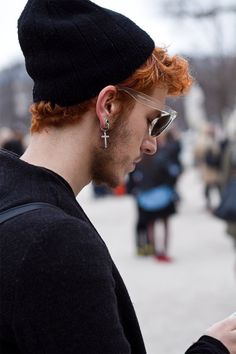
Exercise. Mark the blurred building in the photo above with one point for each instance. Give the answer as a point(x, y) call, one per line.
point(15, 98)
point(216, 78)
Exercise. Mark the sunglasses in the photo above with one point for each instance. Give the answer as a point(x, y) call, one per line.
point(164, 116)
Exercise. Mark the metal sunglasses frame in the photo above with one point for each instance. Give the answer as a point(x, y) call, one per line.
point(166, 114)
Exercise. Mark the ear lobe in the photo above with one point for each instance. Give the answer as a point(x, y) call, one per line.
point(104, 104)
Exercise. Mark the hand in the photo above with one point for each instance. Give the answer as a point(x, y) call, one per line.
point(225, 331)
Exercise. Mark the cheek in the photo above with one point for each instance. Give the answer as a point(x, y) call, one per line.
point(141, 132)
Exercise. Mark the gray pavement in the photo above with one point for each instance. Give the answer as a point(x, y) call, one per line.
point(174, 302)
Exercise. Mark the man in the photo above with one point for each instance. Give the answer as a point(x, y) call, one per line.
point(99, 92)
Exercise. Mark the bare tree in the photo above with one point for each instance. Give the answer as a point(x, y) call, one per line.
point(197, 9)
point(213, 24)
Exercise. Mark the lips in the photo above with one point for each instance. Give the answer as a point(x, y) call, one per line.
point(138, 160)
point(135, 163)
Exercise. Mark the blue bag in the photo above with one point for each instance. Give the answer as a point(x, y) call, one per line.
point(157, 198)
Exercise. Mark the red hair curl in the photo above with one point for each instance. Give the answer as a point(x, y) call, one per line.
point(160, 70)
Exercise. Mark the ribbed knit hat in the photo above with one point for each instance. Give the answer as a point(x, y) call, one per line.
point(74, 48)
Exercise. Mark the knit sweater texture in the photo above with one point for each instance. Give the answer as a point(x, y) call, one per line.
point(60, 293)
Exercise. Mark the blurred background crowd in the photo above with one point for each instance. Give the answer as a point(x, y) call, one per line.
point(202, 140)
point(203, 136)
point(211, 151)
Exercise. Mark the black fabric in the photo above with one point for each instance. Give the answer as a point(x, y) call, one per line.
point(74, 48)
point(22, 209)
point(60, 290)
point(207, 345)
point(226, 210)
point(145, 217)
point(213, 159)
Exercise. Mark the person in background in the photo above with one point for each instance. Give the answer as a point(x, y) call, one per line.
point(156, 197)
point(173, 148)
point(100, 85)
point(229, 174)
point(208, 156)
point(100, 191)
point(15, 143)
point(5, 135)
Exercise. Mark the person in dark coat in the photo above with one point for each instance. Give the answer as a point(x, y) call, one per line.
point(228, 176)
point(156, 197)
point(99, 90)
point(15, 143)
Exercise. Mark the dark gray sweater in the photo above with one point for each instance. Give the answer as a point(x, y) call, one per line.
point(60, 290)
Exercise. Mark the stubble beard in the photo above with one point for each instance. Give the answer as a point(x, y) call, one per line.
point(107, 163)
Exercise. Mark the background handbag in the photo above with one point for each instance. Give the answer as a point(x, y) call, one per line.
point(157, 198)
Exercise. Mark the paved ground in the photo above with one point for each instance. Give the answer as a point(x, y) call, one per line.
point(174, 302)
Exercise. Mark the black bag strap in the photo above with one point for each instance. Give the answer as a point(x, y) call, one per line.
point(21, 209)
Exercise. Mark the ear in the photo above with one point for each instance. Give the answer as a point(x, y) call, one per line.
point(106, 104)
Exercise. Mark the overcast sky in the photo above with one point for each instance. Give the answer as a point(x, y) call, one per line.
point(11, 9)
point(162, 30)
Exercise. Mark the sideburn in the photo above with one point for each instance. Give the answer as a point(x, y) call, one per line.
point(105, 160)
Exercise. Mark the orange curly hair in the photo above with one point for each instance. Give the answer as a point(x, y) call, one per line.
point(160, 70)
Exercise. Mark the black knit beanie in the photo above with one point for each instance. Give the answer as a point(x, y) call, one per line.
point(74, 48)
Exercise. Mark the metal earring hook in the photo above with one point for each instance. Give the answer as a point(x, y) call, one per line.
point(105, 129)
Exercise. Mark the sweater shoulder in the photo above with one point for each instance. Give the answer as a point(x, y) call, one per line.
point(60, 229)
point(47, 222)
point(53, 233)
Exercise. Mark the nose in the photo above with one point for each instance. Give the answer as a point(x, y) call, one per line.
point(149, 145)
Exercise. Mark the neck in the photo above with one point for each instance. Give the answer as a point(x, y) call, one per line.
point(65, 151)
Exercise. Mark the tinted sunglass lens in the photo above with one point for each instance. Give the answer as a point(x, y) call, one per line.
point(161, 124)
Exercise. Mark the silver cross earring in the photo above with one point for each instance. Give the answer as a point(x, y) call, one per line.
point(105, 129)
